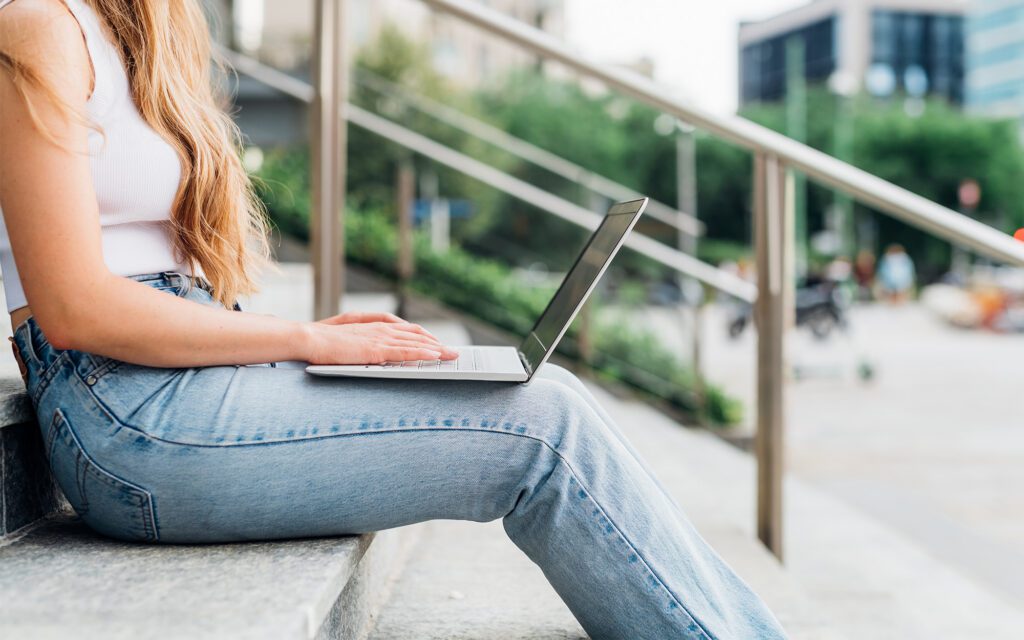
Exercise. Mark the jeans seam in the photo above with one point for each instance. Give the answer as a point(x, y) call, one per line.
point(453, 427)
point(47, 375)
point(625, 539)
point(148, 514)
point(106, 366)
point(29, 346)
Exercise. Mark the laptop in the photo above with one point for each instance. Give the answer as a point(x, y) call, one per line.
point(511, 364)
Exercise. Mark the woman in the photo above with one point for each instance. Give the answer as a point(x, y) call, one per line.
point(130, 228)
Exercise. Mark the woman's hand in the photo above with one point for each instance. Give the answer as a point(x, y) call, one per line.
point(371, 338)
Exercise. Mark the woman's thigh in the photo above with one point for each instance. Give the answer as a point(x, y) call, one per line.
point(259, 452)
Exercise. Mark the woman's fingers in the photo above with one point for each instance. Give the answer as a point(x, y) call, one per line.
point(410, 328)
point(413, 327)
point(401, 328)
point(403, 354)
point(446, 353)
point(377, 342)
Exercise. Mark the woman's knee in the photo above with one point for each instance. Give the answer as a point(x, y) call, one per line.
point(557, 414)
point(553, 395)
point(560, 374)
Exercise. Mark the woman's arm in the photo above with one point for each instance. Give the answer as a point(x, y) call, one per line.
point(52, 219)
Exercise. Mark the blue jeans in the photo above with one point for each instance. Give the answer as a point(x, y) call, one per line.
point(231, 453)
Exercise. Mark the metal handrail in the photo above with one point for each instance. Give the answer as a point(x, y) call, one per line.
point(530, 152)
point(672, 258)
point(823, 168)
point(569, 211)
point(267, 75)
point(300, 90)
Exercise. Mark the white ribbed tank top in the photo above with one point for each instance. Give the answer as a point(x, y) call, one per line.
point(136, 173)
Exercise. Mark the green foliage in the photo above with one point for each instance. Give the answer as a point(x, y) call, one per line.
point(373, 161)
point(639, 359)
point(484, 288)
point(931, 155)
point(606, 134)
point(615, 136)
point(724, 191)
point(719, 251)
point(395, 57)
point(283, 185)
point(928, 154)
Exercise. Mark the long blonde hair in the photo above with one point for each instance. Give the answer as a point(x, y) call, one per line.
point(218, 222)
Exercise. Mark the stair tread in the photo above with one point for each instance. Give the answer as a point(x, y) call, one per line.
point(467, 581)
point(15, 406)
point(60, 577)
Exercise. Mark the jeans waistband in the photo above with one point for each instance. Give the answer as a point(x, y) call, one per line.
point(172, 279)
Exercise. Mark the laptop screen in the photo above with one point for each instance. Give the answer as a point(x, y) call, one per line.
point(579, 282)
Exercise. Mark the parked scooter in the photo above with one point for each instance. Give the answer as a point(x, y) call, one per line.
point(821, 307)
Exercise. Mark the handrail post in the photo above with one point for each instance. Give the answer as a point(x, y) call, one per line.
point(686, 200)
point(328, 150)
point(770, 249)
point(406, 259)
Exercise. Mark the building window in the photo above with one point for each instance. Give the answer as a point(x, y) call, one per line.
point(763, 75)
point(918, 42)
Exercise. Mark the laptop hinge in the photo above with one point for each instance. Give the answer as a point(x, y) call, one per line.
point(525, 363)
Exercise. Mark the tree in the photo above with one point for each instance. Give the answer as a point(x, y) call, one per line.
point(929, 154)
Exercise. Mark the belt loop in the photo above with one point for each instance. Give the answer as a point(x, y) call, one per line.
point(30, 341)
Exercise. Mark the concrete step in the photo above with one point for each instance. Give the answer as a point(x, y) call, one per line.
point(467, 581)
point(27, 490)
point(60, 580)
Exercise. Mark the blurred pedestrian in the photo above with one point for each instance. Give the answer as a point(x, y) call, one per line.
point(864, 273)
point(896, 275)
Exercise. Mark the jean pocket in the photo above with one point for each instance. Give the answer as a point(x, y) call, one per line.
point(106, 502)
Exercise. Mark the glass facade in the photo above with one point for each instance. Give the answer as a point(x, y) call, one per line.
point(764, 63)
point(923, 52)
point(915, 53)
point(995, 58)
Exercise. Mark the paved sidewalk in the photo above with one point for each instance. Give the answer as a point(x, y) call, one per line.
point(933, 446)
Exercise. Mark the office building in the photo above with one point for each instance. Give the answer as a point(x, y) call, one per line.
point(279, 32)
point(886, 47)
point(995, 58)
